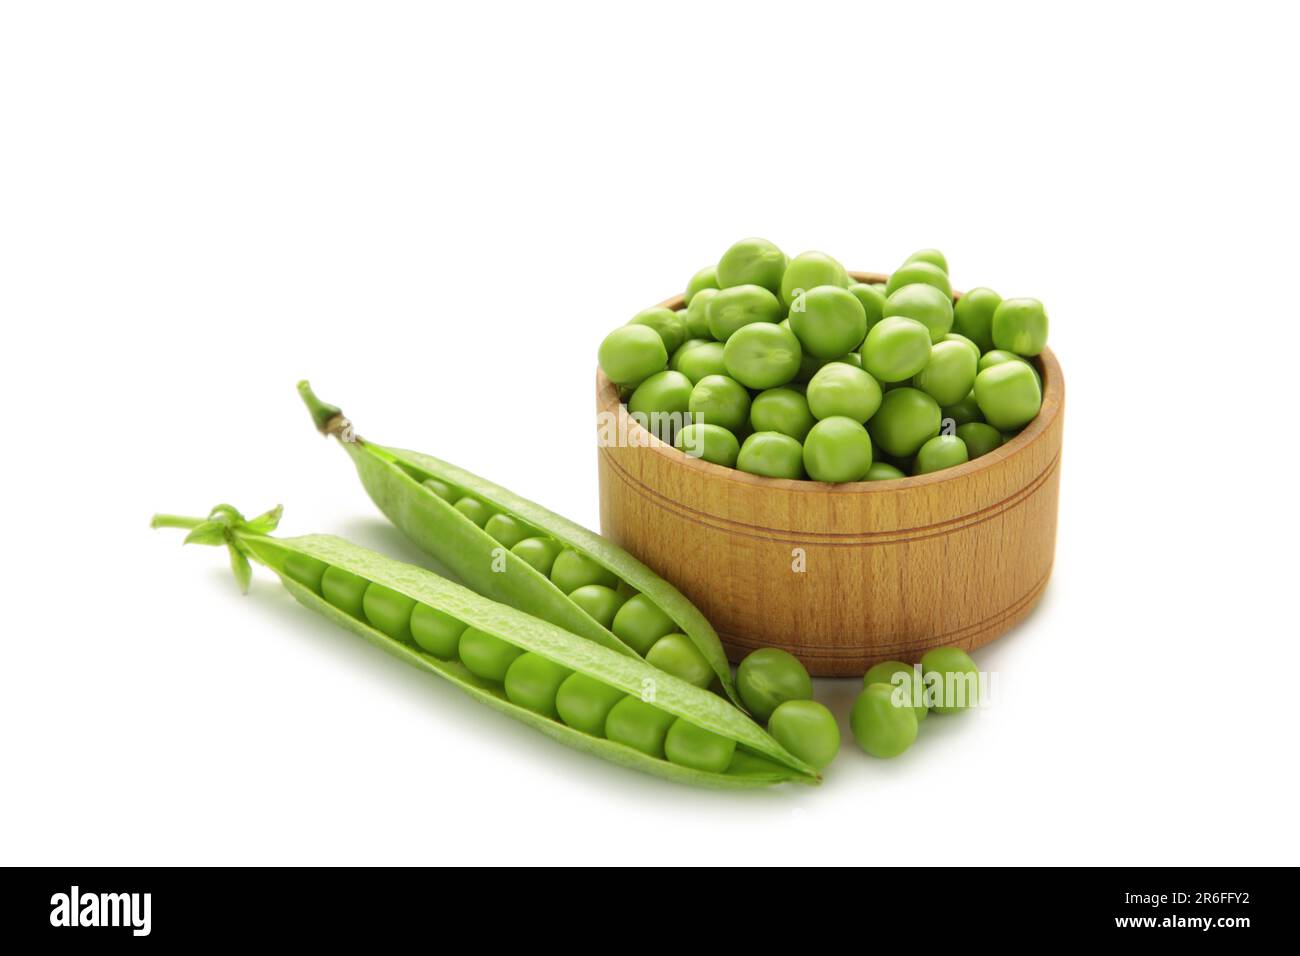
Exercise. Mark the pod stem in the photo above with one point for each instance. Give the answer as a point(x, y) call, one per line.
point(224, 525)
point(329, 419)
point(175, 521)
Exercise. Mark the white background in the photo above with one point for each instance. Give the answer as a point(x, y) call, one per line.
point(436, 214)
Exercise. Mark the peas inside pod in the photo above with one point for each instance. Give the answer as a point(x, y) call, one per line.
point(728, 370)
point(589, 697)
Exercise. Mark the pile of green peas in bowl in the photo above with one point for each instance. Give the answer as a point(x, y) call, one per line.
point(789, 368)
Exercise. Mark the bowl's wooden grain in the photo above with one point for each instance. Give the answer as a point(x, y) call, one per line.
point(889, 569)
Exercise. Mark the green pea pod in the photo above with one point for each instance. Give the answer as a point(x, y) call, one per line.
point(304, 565)
point(395, 480)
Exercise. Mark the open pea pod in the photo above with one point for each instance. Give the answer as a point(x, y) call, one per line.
point(617, 707)
point(515, 551)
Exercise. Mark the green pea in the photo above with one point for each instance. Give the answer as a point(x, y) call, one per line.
point(388, 611)
point(837, 449)
point(702, 361)
point(572, 570)
point(697, 314)
point(828, 321)
point(638, 725)
point(706, 278)
point(752, 262)
point(509, 531)
point(676, 654)
point(926, 304)
point(720, 400)
point(973, 316)
point(440, 488)
point(883, 471)
point(880, 728)
point(345, 591)
point(940, 452)
point(675, 360)
point(783, 410)
point(762, 355)
point(631, 354)
point(436, 632)
point(710, 443)
point(771, 455)
point(533, 682)
point(949, 376)
point(307, 571)
point(872, 299)
point(1008, 395)
point(932, 256)
point(807, 271)
point(486, 655)
point(919, 272)
point(955, 686)
point(896, 349)
point(689, 745)
point(599, 601)
point(584, 703)
point(955, 337)
point(842, 389)
point(806, 729)
point(906, 681)
point(967, 410)
point(539, 552)
point(475, 510)
point(1020, 326)
point(639, 624)
point(734, 308)
point(671, 327)
point(907, 419)
point(769, 677)
point(660, 403)
point(980, 439)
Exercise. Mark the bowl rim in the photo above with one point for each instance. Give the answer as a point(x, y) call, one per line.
point(1053, 402)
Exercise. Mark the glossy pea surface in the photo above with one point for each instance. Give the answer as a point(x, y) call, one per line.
point(925, 273)
point(949, 376)
point(720, 400)
point(980, 438)
point(967, 410)
point(940, 452)
point(1008, 394)
point(1020, 326)
point(806, 729)
point(881, 728)
point(572, 570)
point(907, 419)
point(689, 745)
point(598, 600)
point(837, 449)
point(706, 278)
point(345, 591)
point(677, 655)
point(768, 677)
point(306, 570)
point(666, 322)
point(632, 353)
point(639, 624)
point(697, 316)
point(762, 355)
point(507, 530)
point(486, 655)
point(972, 316)
point(906, 681)
point(872, 300)
point(584, 703)
point(828, 321)
point(808, 271)
point(896, 349)
point(473, 509)
point(771, 455)
point(751, 261)
point(638, 725)
point(925, 304)
point(664, 393)
point(710, 443)
point(840, 389)
point(701, 361)
point(436, 632)
point(932, 256)
point(388, 611)
point(955, 686)
point(783, 410)
point(883, 471)
point(539, 552)
point(533, 682)
point(440, 488)
point(735, 308)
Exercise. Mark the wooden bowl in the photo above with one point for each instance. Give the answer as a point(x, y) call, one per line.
point(843, 576)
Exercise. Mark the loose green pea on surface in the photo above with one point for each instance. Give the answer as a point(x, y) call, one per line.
point(549, 678)
point(955, 685)
point(769, 677)
point(806, 729)
point(880, 727)
point(906, 680)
